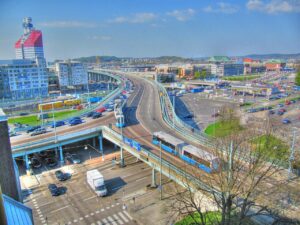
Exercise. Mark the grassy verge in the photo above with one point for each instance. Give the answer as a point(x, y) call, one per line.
point(223, 128)
point(211, 218)
point(241, 78)
point(273, 147)
point(33, 119)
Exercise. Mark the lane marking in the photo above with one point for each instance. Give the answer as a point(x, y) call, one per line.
point(90, 198)
point(127, 215)
point(123, 217)
point(58, 209)
point(105, 221)
point(112, 220)
point(141, 179)
point(118, 219)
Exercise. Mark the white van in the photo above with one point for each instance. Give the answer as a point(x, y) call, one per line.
point(96, 181)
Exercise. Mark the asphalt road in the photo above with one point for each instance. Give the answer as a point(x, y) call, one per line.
point(80, 205)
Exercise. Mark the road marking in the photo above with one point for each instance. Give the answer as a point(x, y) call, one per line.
point(97, 211)
point(92, 214)
point(112, 205)
point(105, 221)
point(141, 179)
point(112, 220)
point(118, 219)
point(58, 209)
point(75, 221)
point(123, 217)
point(102, 210)
point(107, 207)
point(127, 215)
point(86, 216)
point(118, 203)
point(99, 223)
point(89, 198)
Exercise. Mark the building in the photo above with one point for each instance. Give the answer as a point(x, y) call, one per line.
point(30, 45)
point(9, 179)
point(224, 66)
point(53, 81)
point(22, 79)
point(252, 66)
point(165, 77)
point(71, 74)
point(275, 65)
point(203, 70)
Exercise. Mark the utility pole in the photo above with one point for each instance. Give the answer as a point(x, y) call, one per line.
point(54, 122)
point(174, 111)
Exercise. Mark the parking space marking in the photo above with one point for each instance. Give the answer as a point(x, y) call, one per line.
point(56, 210)
point(90, 198)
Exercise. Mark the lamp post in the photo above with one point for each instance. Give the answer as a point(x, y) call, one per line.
point(54, 122)
point(86, 148)
point(160, 185)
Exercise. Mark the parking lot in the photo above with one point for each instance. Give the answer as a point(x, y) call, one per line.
point(79, 204)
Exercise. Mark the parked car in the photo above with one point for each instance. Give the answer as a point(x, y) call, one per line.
point(282, 110)
point(35, 163)
point(54, 190)
point(90, 114)
point(61, 176)
point(58, 124)
point(39, 131)
point(286, 121)
point(51, 162)
point(96, 115)
point(110, 109)
point(33, 129)
point(24, 114)
point(280, 105)
point(101, 110)
point(271, 112)
point(72, 158)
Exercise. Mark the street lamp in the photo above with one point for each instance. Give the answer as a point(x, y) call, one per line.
point(54, 122)
point(86, 148)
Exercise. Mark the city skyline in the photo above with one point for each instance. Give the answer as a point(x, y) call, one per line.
point(151, 29)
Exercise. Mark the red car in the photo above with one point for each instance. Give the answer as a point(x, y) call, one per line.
point(101, 110)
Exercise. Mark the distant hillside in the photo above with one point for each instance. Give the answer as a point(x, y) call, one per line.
point(92, 59)
point(274, 56)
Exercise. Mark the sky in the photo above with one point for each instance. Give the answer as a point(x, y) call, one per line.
point(150, 28)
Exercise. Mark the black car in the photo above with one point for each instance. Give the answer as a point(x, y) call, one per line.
point(90, 114)
point(51, 162)
point(35, 163)
point(96, 115)
point(33, 129)
point(54, 190)
point(61, 176)
point(38, 131)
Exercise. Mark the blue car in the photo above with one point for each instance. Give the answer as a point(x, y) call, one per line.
point(286, 121)
point(58, 124)
point(75, 122)
point(280, 105)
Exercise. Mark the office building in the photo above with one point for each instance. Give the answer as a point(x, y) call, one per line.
point(165, 77)
point(275, 65)
point(22, 79)
point(71, 74)
point(252, 66)
point(224, 66)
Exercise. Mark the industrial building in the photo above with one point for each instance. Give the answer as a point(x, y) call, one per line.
point(71, 74)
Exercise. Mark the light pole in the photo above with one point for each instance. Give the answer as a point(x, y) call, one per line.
point(86, 148)
point(174, 111)
point(54, 122)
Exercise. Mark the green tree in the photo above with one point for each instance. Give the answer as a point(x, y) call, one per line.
point(197, 75)
point(203, 74)
point(297, 78)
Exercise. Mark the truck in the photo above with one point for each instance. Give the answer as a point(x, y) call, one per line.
point(96, 181)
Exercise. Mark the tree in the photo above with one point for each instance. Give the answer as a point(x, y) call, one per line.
point(297, 78)
point(197, 75)
point(246, 185)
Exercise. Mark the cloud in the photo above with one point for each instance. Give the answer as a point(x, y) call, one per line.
point(274, 6)
point(135, 18)
point(182, 15)
point(67, 24)
point(222, 7)
point(101, 37)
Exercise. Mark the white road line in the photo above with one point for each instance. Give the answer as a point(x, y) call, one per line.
point(97, 211)
point(92, 214)
point(118, 203)
point(90, 198)
point(126, 213)
point(141, 179)
point(118, 219)
point(75, 221)
point(107, 207)
point(105, 221)
point(112, 205)
point(59, 209)
point(102, 210)
point(123, 217)
point(112, 220)
point(86, 216)
point(99, 223)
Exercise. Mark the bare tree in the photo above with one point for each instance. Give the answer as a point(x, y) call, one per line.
point(244, 185)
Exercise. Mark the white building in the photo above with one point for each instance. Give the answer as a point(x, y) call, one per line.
point(22, 79)
point(71, 73)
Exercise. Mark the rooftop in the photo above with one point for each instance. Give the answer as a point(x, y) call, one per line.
point(219, 59)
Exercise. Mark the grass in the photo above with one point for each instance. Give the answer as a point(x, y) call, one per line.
point(241, 78)
point(223, 128)
point(273, 147)
point(33, 119)
point(211, 218)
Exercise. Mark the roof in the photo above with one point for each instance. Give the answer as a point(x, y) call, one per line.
point(16, 212)
point(33, 39)
point(219, 59)
point(275, 61)
point(199, 152)
point(168, 138)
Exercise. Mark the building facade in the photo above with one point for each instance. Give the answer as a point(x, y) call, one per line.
point(71, 73)
point(252, 66)
point(275, 65)
point(22, 79)
point(165, 77)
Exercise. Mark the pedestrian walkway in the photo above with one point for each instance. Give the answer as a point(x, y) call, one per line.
point(119, 218)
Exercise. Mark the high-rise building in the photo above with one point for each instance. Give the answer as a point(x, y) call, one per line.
point(25, 77)
point(71, 73)
point(30, 45)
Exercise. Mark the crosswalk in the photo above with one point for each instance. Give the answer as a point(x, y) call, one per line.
point(119, 218)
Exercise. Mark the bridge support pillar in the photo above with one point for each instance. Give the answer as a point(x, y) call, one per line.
point(115, 146)
point(100, 138)
point(94, 142)
point(122, 161)
point(153, 181)
point(61, 155)
point(27, 164)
